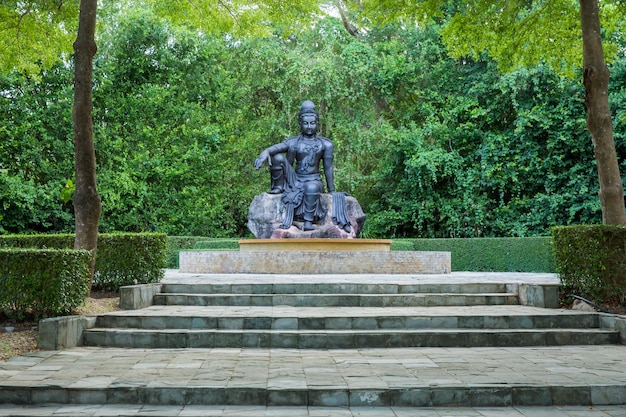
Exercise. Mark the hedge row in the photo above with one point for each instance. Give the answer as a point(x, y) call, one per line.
point(123, 258)
point(129, 258)
point(591, 261)
point(43, 282)
point(515, 254)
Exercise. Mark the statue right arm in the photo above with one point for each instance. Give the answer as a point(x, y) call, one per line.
point(269, 152)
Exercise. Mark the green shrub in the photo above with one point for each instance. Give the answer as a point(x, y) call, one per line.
point(43, 282)
point(57, 241)
point(591, 260)
point(508, 254)
point(218, 244)
point(403, 245)
point(122, 259)
point(129, 258)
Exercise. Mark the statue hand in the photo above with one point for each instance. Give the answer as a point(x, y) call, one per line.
point(264, 156)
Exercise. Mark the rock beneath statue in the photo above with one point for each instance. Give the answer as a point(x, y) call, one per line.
point(267, 211)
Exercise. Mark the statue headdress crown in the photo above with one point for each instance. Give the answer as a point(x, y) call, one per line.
point(307, 107)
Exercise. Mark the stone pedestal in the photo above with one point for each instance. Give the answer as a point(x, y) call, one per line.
point(267, 211)
point(314, 262)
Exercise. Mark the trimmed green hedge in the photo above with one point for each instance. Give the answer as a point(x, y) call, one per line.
point(591, 260)
point(129, 258)
point(507, 254)
point(58, 241)
point(123, 258)
point(218, 244)
point(43, 282)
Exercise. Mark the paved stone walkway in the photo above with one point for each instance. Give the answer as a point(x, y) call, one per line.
point(238, 411)
point(159, 376)
point(346, 369)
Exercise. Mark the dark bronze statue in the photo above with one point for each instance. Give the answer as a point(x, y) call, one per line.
point(302, 187)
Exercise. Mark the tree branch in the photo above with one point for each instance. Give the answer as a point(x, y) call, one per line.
point(344, 18)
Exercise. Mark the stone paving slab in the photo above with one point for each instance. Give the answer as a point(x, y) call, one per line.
point(572, 375)
point(91, 410)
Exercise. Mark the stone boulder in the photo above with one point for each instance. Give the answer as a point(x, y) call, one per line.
point(267, 211)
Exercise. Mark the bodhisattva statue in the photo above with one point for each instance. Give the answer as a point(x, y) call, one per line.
point(302, 187)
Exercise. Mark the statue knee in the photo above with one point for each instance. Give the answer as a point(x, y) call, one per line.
point(312, 188)
point(278, 160)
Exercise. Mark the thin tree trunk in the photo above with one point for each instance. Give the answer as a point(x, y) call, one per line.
point(87, 205)
point(596, 80)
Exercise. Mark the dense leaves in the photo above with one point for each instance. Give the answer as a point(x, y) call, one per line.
point(34, 32)
point(430, 146)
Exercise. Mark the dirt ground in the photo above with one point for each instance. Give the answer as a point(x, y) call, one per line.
point(19, 337)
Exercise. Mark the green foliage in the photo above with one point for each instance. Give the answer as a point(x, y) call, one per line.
point(430, 146)
point(237, 16)
point(123, 258)
point(34, 33)
point(52, 241)
point(532, 254)
point(43, 282)
point(485, 155)
point(129, 258)
point(218, 244)
point(515, 33)
point(160, 163)
point(591, 261)
point(519, 34)
point(35, 151)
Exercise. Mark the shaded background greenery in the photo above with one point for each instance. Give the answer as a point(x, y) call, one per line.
point(430, 146)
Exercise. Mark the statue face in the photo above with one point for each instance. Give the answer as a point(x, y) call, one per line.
point(308, 125)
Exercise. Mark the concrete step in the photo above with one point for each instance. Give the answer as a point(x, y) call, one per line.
point(242, 284)
point(139, 338)
point(332, 300)
point(347, 327)
point(85, 410)
point(350, 318)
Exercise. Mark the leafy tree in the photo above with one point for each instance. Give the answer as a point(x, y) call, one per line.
point(430, 145)
point(25, 17)
point(519, 33)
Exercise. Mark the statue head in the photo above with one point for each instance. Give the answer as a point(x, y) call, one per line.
point(308, 118)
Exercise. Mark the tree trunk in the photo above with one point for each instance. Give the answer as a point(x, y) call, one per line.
point(87, 205)
point(596, 80)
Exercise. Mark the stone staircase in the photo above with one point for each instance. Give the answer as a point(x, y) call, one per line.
point(343, 315)
point(313, 345)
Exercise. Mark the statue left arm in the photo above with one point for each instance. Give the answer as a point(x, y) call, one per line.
point(328, 167)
